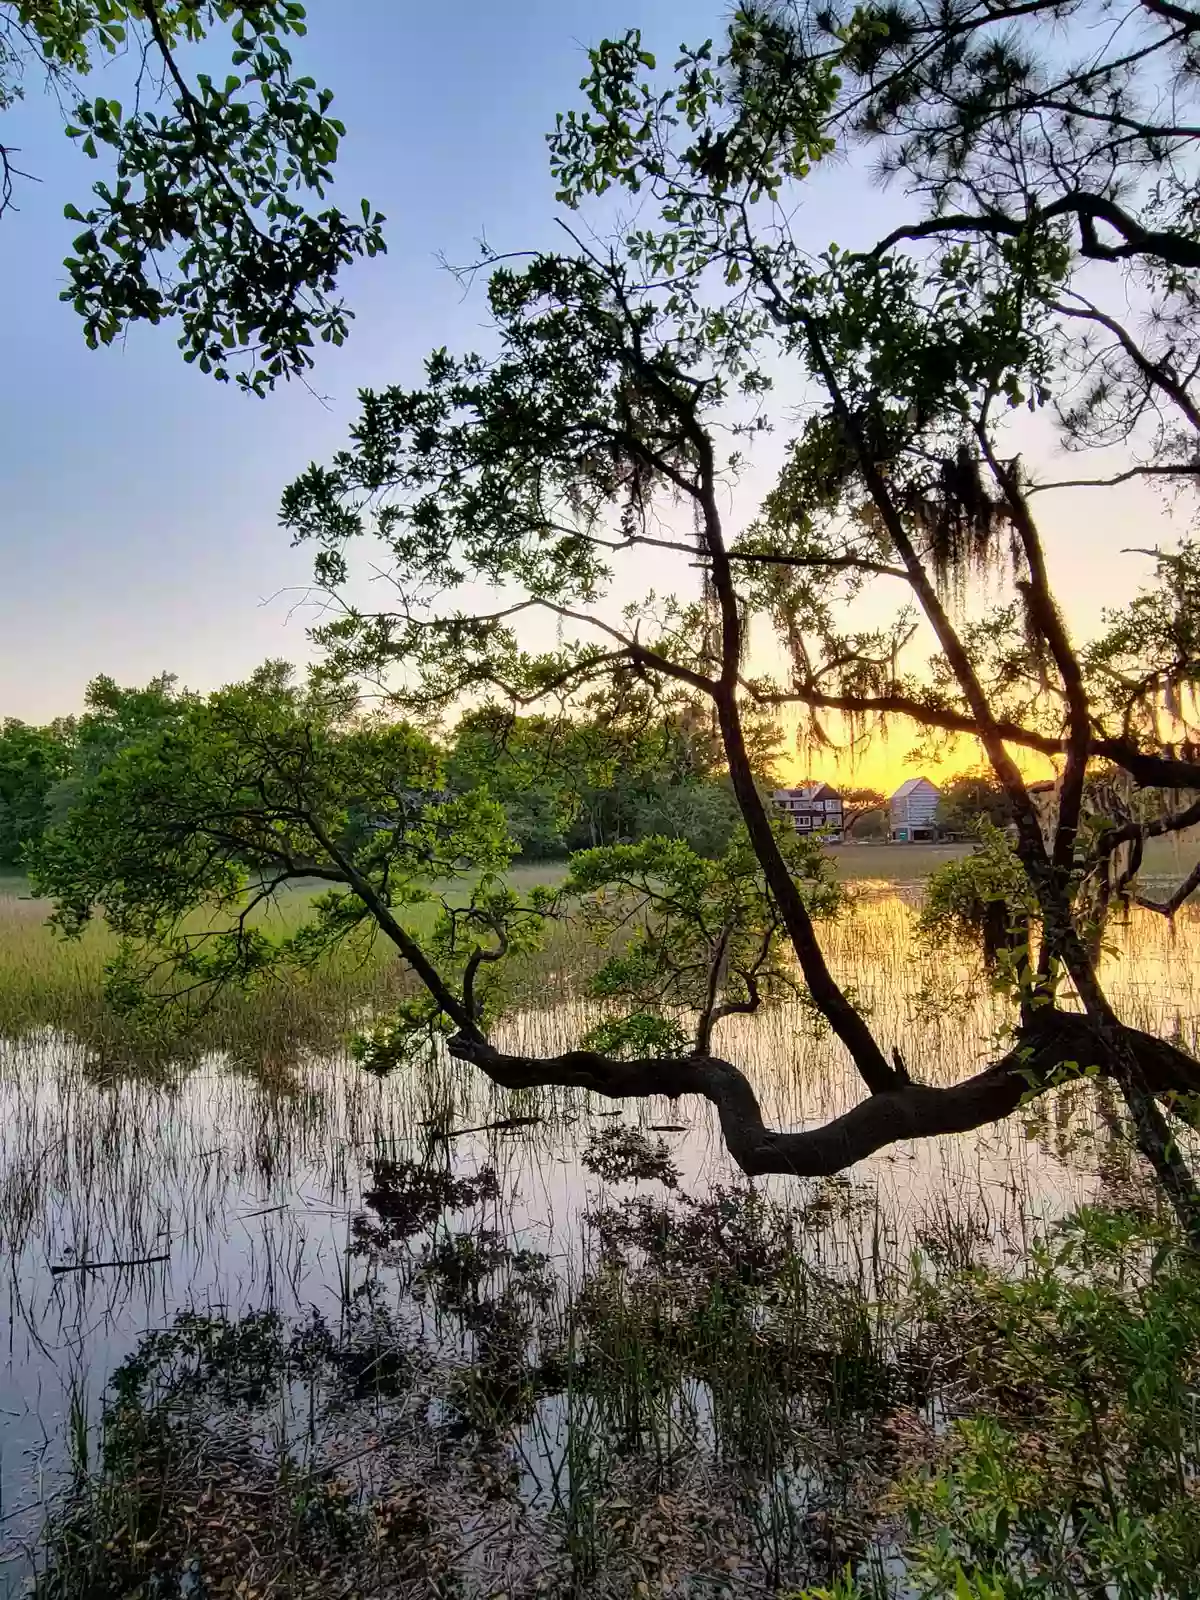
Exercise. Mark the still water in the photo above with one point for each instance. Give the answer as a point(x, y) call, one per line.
point(236, 1192)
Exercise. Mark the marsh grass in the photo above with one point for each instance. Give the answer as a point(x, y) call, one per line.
point(606, 1368)
point(49, 981)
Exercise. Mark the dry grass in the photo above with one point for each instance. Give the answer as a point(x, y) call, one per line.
point(1165, 860)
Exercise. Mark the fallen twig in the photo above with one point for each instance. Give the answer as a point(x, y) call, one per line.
point(95, 1266)
point(504, 1125)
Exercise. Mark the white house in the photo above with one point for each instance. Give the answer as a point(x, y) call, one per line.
point(912, 811)
point(811, 807)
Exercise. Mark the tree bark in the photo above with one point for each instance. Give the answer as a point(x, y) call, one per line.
point(1059, 1039)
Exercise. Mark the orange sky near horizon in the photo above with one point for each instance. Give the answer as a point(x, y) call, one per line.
point(884, 763)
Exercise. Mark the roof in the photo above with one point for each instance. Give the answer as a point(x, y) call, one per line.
point(812, 791)
point(911, 785)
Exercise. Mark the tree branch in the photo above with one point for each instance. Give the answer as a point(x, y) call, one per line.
point(1058, 1040)
point(1088, 209)
point(1168, 908)
point(1148, 769)
point(408, 947)
point(1155, 372)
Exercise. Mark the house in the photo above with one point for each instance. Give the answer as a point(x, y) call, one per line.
point(811, 807)
point(912, 811)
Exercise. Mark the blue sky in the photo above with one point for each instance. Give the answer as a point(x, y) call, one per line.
point(138, 498)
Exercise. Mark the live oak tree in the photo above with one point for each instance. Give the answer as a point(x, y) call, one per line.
point(617, 771)
point(213, 214)
point(274, 782)
point(858, 803)
point(602, 432)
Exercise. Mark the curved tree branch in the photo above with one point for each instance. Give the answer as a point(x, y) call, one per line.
point(1176, 249)
point(1168, 908)
point(1148, 769)
point(1059, 1041)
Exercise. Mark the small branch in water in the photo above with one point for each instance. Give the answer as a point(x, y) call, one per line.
point(505, 1125)
point(95, 1266)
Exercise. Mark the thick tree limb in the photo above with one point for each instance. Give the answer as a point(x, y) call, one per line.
point(1171, 246)
point(910, 1111)
point(1045, 614)
point(1148, 769)
point(1168, 908)
point(1173, 822)
point(843, 1017)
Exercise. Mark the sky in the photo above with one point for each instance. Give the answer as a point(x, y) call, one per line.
point(138, 498)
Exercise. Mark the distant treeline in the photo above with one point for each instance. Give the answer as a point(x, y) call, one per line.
point(617, 772)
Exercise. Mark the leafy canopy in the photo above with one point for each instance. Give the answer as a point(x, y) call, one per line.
point(214, 214)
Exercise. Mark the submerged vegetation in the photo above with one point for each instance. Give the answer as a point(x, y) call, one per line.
point(706, 1407)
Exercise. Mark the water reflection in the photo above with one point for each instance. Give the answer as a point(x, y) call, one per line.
point(249, 1185)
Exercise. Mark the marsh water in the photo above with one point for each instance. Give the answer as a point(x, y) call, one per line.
point(205, 1185)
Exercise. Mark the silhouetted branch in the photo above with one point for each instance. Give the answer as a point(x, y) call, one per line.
point(1168, 908)
point(1058, 1041)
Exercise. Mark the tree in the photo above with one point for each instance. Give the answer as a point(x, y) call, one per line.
point(704, 815)
point(623, 382)
point(520, 762)
point(115, 717)
point(972, 798)
point(32, 760)
point(208, 218)
point(857, 805)
point(45, 771)
point(269, 782)
point(998, 138)
point(619, 772)
point(255, 787)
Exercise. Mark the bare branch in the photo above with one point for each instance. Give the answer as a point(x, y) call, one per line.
point(1168, 908)
point(906, 1111)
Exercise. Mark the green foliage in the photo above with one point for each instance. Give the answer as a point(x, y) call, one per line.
point(703, 815)
point(706, 938)
point(1071, 1469)
point(44, 771)
point(972, 798)
point(210, 216)
point(1146, 663)
point(406, 1037)
point(184, 834)
point(32, 762)
point(998, 139)
point(1080, 1482)
point(615, 772)
point(639, 1034)
point(115, 717)
point(984, 899)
